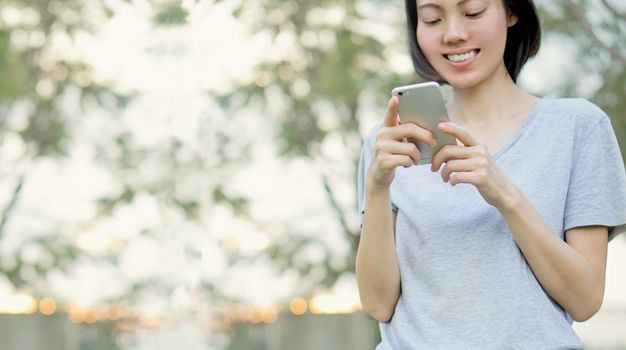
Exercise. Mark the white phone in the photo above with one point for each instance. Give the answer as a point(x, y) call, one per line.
point(423, 105)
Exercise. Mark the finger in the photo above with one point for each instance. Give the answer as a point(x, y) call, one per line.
point(448, 152)
point(400, 148)
point(391, 161)
point(460, 133)
point(391, 117)
point(457, 165)
point(467, 177)
point(410, 130)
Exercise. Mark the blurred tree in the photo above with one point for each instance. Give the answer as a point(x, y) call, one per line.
point(597, 30)
point(34, 78)
point(38, 71)
point(334, 73)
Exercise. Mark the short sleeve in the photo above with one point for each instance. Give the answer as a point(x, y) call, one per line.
point(364, 161)
point(597, 188)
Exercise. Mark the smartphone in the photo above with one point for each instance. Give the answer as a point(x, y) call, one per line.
point(423, 105)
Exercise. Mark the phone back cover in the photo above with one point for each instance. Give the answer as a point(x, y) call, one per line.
point(426, 108)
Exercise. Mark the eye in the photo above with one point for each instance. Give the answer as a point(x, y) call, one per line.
point(475, 14)
point(430, 23)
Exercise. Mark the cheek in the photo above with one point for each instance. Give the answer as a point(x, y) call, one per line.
point(487, 34)
point(427, 40)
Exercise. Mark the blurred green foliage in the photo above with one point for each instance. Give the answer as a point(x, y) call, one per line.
point(598, 29)
point(33, 83)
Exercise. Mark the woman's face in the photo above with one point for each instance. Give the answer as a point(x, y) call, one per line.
point(463, 40)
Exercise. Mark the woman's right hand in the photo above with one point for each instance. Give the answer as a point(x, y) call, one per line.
point(392, 148)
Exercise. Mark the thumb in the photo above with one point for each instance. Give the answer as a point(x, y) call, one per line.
point(391, 118)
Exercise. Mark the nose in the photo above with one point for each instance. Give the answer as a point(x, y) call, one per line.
point(455, 32)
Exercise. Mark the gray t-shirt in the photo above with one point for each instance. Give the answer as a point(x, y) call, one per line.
point(465, 283)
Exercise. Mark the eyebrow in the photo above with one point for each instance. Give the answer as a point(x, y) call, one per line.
point(433, 5)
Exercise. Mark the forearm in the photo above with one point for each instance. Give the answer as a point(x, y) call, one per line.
point(565, 274)
point(377, 271)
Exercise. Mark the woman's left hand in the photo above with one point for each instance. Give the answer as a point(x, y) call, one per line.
point(472, 163)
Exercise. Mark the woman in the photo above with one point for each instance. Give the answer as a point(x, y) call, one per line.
point(501, 242)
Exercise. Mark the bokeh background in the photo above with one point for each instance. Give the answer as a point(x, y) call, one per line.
point(182, 174)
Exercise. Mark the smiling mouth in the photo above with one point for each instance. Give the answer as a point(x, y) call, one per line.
point(462, 57)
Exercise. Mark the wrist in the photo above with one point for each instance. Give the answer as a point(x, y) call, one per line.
point(511, 199)
point(373, 188)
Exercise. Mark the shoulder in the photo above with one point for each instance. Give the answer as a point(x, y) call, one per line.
point(578, 111)
point(572, 117)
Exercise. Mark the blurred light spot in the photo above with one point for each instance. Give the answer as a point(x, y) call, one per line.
point(36, 39)
point(19, 39)
point(335, 15)
point(276, 16)
point(285, 73)
point(91, 316)
point(315, 16)
point(150, 320)
point(69, 17)
point(263, 79)
point(60, 73)
point(47, 306)
point(255, 316)
point(300, 88)
point(77, 315)
point(298, 306)
point(30, 16)
point(269, 315)
point(309, 39)
point(18, 304)
point(45, 88)
point(327, 39)
point(331, 304)
point(82, 79)
point(10, 16)
point(230, 243)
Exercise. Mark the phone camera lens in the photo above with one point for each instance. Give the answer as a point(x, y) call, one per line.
point(400, 93)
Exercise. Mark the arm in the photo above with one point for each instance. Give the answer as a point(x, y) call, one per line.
point(377, 271)
point(572, 272)
point(378, 275)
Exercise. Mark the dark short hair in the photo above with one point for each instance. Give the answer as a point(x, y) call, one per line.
point(522, 42)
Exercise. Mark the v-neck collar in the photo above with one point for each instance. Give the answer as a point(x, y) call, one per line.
point(520, 131)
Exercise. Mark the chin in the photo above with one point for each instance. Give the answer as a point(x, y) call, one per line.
point(462, 82)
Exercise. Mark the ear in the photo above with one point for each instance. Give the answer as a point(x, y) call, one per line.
point(512, 20)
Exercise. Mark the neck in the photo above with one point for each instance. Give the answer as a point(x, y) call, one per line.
point(494, 100)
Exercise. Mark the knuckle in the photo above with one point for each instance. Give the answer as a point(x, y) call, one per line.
point(482, 150)
point(482, 162)
point(379, 147)
point(382, 134)
point(414, 129)
point(386, 163)
point(379, 158)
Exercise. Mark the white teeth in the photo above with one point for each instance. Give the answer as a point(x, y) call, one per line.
point(461, 58)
